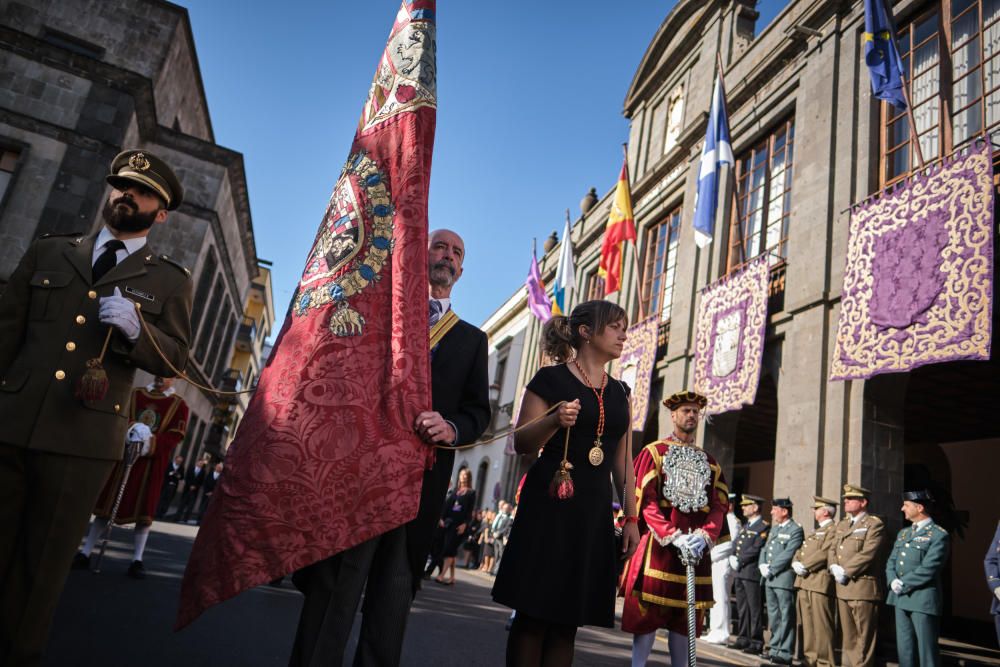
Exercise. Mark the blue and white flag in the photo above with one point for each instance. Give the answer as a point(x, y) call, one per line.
point(881, 54)
point(562, 290)
point(716, 152)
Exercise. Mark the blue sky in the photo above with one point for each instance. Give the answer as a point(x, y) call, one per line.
point(529, 117)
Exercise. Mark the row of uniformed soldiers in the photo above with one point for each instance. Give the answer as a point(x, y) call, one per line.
point(837, 572)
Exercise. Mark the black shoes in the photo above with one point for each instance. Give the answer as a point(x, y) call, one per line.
point(136, 570)
point(776, 660)
point(81, 561)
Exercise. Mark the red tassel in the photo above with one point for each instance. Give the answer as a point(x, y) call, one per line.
point(561, 487)
point(93, 384)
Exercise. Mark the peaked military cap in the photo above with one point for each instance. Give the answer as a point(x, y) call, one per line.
point(820, 501)
point(855, 491)
point(921, 496)
point(751, 500)
point(782, 502)
point(679, 398)
point(144, 168)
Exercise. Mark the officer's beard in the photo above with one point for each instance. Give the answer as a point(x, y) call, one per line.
point(122, 215)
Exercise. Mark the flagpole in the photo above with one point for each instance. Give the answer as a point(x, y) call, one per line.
point(640, 277)
point(732, 176)
point(915, 138)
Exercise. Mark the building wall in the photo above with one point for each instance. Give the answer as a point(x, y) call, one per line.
point(818, 434)
point(79, 81)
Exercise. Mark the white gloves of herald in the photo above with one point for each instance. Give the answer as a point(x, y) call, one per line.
point(838, 573)
point(799, 568)
point(734, 563)
point(693, 542)
point(896, 586)
point(765, 569)
point(139, 432)
point(117, 311)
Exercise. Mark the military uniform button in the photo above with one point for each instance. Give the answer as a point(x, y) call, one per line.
point(91, 294)
point(45, 282)
point(60, 375)
point(117, 408)
point(70, 346)
point(80, 319)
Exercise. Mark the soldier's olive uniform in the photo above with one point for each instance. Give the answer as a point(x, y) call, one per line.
point(856, 547)
point(55, 450)
point(750, 623)
point(817, 604)
point(779, 586)
point(918, 556)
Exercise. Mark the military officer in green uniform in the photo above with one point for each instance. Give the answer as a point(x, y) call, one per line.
point(914, 575)
point(856, 566)
point(816, 606)
point(775, 565)
point(59, 441)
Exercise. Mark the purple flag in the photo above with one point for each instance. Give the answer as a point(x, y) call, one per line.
point(538, 301)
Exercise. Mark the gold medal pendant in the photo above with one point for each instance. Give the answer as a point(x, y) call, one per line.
point(596, 455)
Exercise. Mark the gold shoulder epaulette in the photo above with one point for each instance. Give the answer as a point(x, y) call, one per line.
point(180, 266)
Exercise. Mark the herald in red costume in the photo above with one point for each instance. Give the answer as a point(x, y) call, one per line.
point(655, 582)
point(326, 457)
point(166, 415)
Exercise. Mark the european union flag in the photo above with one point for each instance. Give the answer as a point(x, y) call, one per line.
point(881, 54)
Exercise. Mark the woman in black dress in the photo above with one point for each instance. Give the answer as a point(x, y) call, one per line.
point(455, 519)
point(559, 570)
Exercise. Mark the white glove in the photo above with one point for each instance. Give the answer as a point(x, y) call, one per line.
point(896, 586)
point(837, 571)
point(696, 544)
point(680, 540)
point(799, 568)
point(765, 569)
point(996, 592)
point(139, 432)
point(734, 563)
point(120, 312)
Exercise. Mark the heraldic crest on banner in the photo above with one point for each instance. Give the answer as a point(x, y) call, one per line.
point(636, 366)
point(918, 285)
point(342, 237)
point(729, 340)
point(686, 476)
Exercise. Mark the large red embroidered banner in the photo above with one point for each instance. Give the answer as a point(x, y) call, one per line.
point(326, 457)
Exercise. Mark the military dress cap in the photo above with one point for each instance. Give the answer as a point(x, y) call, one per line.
point(855, 491)
point(921, 496)
point(820, 501)
point(144, 168)
point(679, 398)
point(751, 500)
point(782, 502)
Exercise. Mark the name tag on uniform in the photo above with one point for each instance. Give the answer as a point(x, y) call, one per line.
point(859, 530)
point(784, 537)
point(139, 293)
point(922, 538)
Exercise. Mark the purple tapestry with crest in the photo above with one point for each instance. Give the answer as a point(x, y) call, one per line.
point(729, 338)
point(918, 285)
point(635, 366)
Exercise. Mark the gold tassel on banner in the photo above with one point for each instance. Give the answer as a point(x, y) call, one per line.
point(93, 384)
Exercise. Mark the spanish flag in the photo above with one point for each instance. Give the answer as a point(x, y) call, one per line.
point(621, 228)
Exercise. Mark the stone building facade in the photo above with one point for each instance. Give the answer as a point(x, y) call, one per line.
point(809, 141)
point(80, 80)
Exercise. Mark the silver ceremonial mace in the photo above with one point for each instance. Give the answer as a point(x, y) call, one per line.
point(131, 456)
point(689, 560)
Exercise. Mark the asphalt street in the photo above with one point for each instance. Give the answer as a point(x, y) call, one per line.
point(110, 620)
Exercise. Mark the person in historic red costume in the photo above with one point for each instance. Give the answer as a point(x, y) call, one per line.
point(166, 414)
point(655, 581)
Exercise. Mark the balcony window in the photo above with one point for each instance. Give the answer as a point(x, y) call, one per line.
point(660, 270)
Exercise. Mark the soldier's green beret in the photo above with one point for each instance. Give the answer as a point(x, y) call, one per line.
point(144, 168)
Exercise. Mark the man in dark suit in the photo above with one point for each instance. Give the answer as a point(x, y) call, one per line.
point(746, 553)
point(211, 480)
point(192, 485)
point(172, 478)
point(392, 563)
point(62, 426)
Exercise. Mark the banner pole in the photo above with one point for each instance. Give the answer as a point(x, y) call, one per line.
point(640, 277)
